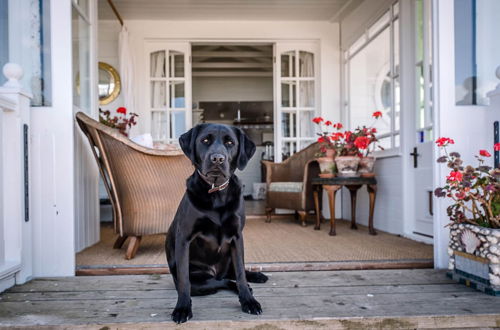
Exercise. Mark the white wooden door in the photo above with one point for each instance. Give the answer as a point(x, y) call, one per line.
point(168, 96)
point(296, 96)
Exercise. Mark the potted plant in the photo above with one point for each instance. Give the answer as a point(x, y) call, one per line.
point(365, 137)
point(347, 160)
point(326, 154)
point(474, 211)
point(121, 121)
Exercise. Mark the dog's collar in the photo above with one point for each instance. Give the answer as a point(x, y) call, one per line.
point(212, 184)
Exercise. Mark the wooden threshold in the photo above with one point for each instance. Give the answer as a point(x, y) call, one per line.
point(100, 270)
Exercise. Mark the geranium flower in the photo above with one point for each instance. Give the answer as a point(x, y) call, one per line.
point(460, 195)
point(338, 126)
point(484, 153)
point(377, 114)
point(323, 139)
point(337, 136)
point(317, 120)
point(496, 147)
point(122, 110)
point(374, 130)
point(444, 141)
point(328, 123)
point(455, 176)
point(362, 142)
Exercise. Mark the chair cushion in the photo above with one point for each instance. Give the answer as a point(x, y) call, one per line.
point(286, 186)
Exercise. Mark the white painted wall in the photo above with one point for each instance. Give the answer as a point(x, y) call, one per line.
point(470, 126)
point(216, 89)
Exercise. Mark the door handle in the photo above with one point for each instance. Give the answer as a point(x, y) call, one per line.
point(415, 157)
point(431, 212)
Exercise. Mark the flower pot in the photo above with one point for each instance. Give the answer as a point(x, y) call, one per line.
point(325, 164)
point(475, 257)
point(330, 153)
point(347, 165)
point(365, 168)
point(327, 175)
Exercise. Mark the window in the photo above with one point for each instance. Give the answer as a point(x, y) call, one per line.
point(476, 50)
point(4, 36)
point(81, 55)
point(372, 70)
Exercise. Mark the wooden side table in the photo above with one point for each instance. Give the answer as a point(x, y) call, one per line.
point(332, 185)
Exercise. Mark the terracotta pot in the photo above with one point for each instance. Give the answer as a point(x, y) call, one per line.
point(347, 165)
point(325, 164)
point(327, 175)
point(366, 165)
point(330, 153)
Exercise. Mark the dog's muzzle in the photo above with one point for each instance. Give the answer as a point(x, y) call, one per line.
point(214, 188)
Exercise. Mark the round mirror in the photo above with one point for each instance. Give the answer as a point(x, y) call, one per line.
point(109, 83)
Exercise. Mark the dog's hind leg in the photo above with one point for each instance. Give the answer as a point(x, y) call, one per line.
point(211, 286)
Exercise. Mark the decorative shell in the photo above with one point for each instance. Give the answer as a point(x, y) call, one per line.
point(470, 241)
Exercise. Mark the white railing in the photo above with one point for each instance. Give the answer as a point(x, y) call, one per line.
point(15, 227)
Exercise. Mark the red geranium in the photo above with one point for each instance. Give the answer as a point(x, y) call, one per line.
point(317, 120)
point(496, 147)
point(377, 114)
point(328, 123)
point(122, 110)
point(362, 142)
point(338, 126)
point(484, 153)
point(455, 176)
point(444, 141)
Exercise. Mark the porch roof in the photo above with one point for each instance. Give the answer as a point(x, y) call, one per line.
point(422, 298)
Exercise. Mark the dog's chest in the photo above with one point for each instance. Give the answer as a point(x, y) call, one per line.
point(216, 236)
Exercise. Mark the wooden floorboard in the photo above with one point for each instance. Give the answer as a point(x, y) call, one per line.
point(358, 299)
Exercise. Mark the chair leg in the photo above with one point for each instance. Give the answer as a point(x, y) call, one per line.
point(119, 242)
point(303, 217)
point(268, 214)
point(132, 247)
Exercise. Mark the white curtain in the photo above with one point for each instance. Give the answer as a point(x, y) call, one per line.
point(126, 70)
point(158, 89)
point(306, 87)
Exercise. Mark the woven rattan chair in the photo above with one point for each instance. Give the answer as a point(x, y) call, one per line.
point(144, 185)
point(289, 183)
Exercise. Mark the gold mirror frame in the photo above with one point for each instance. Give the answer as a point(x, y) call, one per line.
point(118, 84)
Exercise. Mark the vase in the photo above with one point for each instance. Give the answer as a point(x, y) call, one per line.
point(347, 166)
point(475, 257)
point(325, 164)
point(365, 168)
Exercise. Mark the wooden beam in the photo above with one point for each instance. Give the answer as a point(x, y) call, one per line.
point(231, 54)
point(230, 65)
point(231, 74)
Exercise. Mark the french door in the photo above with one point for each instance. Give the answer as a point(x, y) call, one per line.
point(168, 90)
point(296, 96)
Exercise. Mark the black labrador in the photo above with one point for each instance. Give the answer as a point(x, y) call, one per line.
point(204, 242)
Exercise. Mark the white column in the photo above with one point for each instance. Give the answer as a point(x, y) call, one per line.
point(15, 250)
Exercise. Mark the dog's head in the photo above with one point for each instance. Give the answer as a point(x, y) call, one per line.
point(217, 150)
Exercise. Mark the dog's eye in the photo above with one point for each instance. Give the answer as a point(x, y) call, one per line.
point(229, 142)
point(205, 140)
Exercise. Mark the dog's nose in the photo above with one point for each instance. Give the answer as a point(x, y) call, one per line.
point(217, 159)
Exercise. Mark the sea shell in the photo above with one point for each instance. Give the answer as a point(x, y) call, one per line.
point(470, 241)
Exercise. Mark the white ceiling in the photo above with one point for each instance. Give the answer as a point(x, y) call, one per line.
point(323, 10)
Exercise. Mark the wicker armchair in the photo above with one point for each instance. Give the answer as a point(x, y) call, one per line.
point(144, 185)
point(289, 183)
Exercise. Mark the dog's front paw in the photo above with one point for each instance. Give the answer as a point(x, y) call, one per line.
point(257, 277)
point(181, 314)
point(251, 306)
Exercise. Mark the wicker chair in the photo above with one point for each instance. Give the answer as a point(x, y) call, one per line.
point(289, 183)
point(144, 185)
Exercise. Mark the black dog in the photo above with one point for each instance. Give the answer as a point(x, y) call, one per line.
point(204, 242)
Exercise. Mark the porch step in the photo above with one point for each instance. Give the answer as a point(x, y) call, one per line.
point(383, 299)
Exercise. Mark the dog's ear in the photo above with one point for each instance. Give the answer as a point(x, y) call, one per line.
point(187, 142)
point(246, 149)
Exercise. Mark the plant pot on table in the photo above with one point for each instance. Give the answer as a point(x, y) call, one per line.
point(366, 165)
point(347, 166)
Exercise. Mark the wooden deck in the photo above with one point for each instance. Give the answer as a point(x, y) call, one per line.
point(367, 299)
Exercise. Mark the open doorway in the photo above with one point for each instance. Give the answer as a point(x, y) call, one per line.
point(233, 84)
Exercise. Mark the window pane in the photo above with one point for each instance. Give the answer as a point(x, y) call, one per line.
point(159, 125)
point(288, 94)
point(396, 47)
point(369, 84)
point(306, 128)
point(81, 61)
point(306, 64)
point(157, 65)
point(158, 94)
point(177, 99)
point(176, 62)
point(289, 148)
point(419, 10)
point(288, 64)
point(4, 36)
point(177, 124)
point(397, 104)
point(306, 93)
point(289, 124)
point(375, 28)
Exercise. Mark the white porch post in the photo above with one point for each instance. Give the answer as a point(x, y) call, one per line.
point(15, 225)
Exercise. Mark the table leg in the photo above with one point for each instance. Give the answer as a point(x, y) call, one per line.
point(316, 206)
point(332, 190)
point(353, 189)
point(372, 191)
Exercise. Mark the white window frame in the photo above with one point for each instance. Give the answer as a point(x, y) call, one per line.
point(384, 21)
